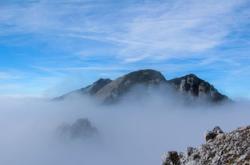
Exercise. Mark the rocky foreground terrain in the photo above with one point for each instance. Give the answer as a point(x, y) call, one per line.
point(221, 148)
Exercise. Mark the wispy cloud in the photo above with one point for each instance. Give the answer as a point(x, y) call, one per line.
point(180, 28)
point(153, 29)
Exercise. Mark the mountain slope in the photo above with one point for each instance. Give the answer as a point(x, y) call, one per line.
point(89, 90)
point(122, 85)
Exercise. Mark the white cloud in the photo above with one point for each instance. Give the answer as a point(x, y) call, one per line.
point(178, 28)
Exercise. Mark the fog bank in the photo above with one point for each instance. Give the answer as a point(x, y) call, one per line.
point(135, 131)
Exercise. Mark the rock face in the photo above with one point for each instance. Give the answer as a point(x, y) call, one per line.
point(220, 149)
point(197, 87)
point(109, 91)
point(80, 129)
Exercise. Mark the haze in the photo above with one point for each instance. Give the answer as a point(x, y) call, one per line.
point(131, 132)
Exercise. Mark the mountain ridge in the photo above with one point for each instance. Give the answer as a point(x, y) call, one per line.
point(111, 91)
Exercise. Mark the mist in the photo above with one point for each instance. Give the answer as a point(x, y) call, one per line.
point(137, 130)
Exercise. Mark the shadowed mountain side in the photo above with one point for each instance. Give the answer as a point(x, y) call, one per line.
point(195, 86)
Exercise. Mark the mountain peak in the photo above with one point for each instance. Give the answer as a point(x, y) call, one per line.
point(192, 75)
point(118, 87)
point(197, 87)
point(144, 76)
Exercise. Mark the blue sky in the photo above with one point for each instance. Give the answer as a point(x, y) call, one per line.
point(50, 47)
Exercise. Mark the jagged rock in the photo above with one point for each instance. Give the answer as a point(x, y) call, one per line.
point(211, 135)
point(172, 158)
point(80, 129)
point(231, 148)
point(217, 130)
point(197, 87)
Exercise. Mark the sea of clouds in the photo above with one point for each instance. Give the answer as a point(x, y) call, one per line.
point(134, 131)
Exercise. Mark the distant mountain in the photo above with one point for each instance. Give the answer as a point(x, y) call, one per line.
point(81, 129)
point(110, 91)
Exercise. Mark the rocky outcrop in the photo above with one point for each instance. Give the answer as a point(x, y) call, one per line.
point(80, 129)
point(195, 86)
point(220, 149)
point(109, 91)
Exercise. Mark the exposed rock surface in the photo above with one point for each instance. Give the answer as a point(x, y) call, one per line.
point(220, 149)
point(107, 90)
point(80, 129)
point(197, 87)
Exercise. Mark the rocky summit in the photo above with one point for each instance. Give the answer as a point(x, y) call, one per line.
point(221, 148)
point(112, 91)
point(197, 87)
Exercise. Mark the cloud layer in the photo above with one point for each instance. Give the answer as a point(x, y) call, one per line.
point(135, 133)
